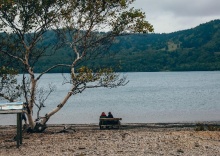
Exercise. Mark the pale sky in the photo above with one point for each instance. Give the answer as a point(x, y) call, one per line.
point(172, 15)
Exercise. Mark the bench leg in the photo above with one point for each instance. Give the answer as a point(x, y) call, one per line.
point(19, 130)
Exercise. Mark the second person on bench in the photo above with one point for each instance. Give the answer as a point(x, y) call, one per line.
point(110, 115)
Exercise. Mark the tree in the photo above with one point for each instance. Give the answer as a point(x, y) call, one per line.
point(87, 27)
point(9, 87)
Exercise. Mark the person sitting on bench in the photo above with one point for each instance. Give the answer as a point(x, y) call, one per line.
point(103, 115)
point(110, 115)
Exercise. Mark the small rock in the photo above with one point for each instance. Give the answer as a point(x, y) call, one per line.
point(180, 151)
point(196, 144)
point(81, 148)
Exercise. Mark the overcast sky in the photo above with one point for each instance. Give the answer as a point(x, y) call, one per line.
point(172, 15)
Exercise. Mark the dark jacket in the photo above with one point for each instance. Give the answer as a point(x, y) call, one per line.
point(110, 115)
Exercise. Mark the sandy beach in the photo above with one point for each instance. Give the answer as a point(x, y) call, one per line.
point(130, 140)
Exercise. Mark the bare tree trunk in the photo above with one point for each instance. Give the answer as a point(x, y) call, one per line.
point(32, 99)
point(47, 116)
point(30, 120)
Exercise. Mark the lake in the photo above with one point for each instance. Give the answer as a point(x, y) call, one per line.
point(149, 97)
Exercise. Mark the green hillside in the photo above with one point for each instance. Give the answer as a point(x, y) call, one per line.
point(196, 49)
point(188, 50)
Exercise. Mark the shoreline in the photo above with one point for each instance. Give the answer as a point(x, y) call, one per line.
point(141, 123)
point(131, 139)
point(124, 126)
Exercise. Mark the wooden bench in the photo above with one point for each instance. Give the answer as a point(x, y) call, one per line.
point(109, 123)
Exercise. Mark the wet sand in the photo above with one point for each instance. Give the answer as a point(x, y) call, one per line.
point(129, 140)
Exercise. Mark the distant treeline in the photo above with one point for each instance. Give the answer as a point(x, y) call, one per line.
point(196, 49)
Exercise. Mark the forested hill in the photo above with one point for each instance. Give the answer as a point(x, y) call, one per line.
point(196, 49)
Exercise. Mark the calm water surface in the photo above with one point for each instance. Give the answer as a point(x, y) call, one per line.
point(147, 98)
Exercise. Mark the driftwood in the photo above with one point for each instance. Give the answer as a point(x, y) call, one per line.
point(67, 129)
